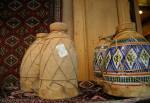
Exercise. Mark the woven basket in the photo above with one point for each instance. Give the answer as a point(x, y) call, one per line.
point(29, 70)
point(58, 66)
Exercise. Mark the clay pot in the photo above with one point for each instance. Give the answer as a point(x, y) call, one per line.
point(127, 72)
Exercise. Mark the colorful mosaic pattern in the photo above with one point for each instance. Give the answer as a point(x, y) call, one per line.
point(128, 56)
point(98, 62)
point(20, 20)
point(130, 40)
point(128, 79)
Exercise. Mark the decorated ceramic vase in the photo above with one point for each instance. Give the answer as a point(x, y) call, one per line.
point(127, 71)
point(58, 66)
point(29, 70)
point(99, 54)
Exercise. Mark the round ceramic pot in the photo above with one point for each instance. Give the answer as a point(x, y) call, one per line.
point(127, 65)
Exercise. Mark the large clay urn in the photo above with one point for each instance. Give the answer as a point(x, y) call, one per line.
point(127, 71)
point(29, 70)
point(58, 65)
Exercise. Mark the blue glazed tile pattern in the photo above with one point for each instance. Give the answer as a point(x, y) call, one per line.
point(130, 40)
point(129, 58)
point(128, 79)
point(99, 55)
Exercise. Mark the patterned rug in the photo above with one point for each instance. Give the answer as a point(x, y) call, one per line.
point(90, 91)
point(20, 20)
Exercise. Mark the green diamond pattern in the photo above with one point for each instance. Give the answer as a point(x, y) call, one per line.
point(12, 41)
point(33, 4)
point(98, 59)
point(131, 57)
point(144, 57)
point(15, 5)
point(11, 60)
point(107, 59)
point(13, 22)
point(117, 58)
point(29, 39)
point(32, 22)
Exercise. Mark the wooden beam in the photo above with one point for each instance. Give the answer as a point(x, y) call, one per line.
point(80, 38)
